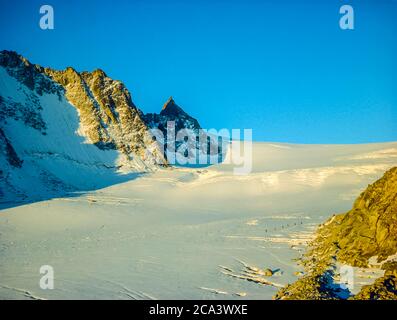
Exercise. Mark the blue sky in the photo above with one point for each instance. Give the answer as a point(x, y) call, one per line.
point(283, 68)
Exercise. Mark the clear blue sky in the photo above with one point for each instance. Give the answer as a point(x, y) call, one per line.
point(283, 68)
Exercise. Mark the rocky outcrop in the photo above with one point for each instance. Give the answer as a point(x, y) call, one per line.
point(368, 230)
point(384, 288)
point(108, 116)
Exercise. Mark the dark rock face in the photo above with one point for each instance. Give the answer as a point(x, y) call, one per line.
point(9, 152)
point(28, 113)
point(170, 108)
point(369, 229)
point(316, 286)
point(171, 112)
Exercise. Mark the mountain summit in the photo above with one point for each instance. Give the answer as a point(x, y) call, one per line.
point(170, 108)
point(171, 112)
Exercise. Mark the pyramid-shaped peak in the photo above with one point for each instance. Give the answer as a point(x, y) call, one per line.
point(171, 108)
point(169, 103)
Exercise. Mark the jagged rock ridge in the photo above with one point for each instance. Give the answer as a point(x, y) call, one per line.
point(199, 140)
point(171, 112)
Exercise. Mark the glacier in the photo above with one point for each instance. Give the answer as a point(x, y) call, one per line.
point(186, 233)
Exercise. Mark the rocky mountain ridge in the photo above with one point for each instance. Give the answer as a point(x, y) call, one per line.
point(367, 232)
